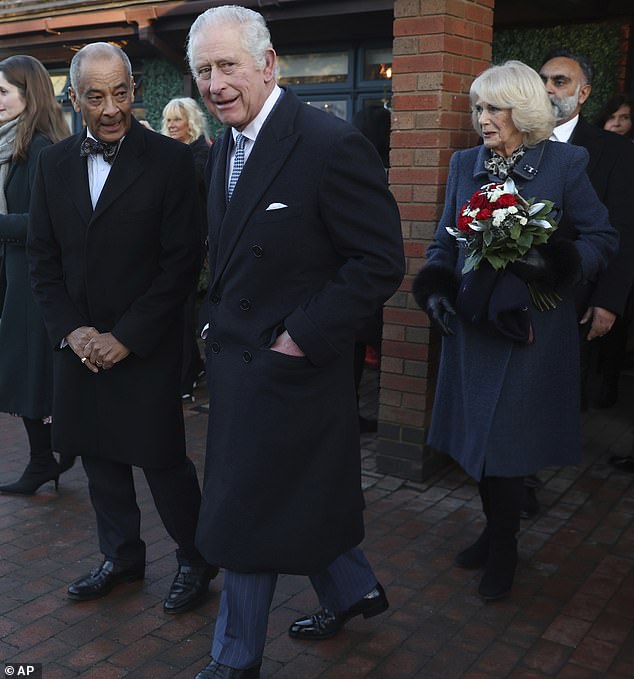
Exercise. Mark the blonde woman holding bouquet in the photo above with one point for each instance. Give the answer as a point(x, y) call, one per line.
point(498, 285)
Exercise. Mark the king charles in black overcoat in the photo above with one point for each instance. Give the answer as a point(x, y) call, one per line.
point(309, 243)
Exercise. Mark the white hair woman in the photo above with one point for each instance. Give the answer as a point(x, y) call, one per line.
point(184, 121)
point(507, 396)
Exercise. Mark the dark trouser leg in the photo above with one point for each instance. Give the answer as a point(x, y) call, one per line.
point(113, 497)
point(504, 498)
point(176, 495)
point(240, 632)
point(611, 357)
point(347, 580)
point(587, 360)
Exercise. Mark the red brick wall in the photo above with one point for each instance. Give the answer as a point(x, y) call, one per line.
point(439, 47)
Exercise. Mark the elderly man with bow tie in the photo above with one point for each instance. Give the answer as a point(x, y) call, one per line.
point(114, 244)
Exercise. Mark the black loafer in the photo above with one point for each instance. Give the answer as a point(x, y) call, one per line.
point(217, 671)
point(326, 624)
point(100, 581)
point(189, 588)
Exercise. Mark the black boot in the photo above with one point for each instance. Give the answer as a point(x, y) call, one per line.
point(66, 462)
point(530, 504)
point(476, 555)
point(504, 495)
point(42, 466)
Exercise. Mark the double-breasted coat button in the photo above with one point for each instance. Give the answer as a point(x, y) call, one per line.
point(257, 250)
point(245, 304)
point(246, 356)
point(215, 347)
point(214, 299)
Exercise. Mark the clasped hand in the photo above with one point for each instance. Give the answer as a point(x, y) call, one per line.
point(439, 309)
point(100, 350)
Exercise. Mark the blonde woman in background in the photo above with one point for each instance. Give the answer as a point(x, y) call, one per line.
point(184, 121)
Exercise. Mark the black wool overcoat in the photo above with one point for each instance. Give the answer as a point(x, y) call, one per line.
point(26, 358)
point(611, 172)
point(310, 242)
point(125, 267)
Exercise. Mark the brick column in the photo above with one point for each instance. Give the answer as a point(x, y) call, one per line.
point(439, 47)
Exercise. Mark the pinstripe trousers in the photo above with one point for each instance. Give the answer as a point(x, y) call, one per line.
point(240, 632)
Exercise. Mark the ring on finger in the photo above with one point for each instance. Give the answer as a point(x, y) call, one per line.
point(84, 359)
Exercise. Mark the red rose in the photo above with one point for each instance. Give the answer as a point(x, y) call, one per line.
point(463, 223)
point(505, 200)
point(485, 213)
point(479, 200)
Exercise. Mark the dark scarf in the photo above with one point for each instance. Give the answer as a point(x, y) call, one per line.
point(501, 167)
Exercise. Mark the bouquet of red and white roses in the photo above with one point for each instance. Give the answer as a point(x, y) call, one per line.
point(498, 226)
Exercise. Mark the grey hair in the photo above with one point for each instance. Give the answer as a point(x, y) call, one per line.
point(255, 37)
point(514, 85)
point(102, 49)
point(187, 107)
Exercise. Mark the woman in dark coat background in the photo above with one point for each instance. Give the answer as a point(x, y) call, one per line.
point(617, 116)
point(30, 119)
point(506, 408)
point(184, 121)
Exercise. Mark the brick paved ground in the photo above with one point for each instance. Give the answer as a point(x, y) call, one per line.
point(571, 615)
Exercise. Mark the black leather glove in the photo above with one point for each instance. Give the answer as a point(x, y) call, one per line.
point(531, 267)
point(439, 309)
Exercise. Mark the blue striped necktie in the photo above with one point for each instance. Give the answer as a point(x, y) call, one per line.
point(238, 164)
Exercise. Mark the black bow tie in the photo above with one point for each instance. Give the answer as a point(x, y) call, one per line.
point(108, 150)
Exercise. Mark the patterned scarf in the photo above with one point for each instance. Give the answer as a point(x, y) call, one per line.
point(501, 167)
point(7, 144)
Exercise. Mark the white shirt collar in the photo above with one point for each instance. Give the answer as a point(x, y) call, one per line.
point(252, 130)
point(564, 131)
point(92, 136)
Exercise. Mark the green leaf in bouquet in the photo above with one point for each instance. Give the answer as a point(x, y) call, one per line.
point(541, 237)
point(515, 231)
point(496, 262)
point(471, 262)
point(525, 239)
point(487, 237)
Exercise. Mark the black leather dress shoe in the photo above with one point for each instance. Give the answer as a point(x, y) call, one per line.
point(217, 671)
point(101, 580)
point(624, 463)
point(325, 624)
point(189, 588)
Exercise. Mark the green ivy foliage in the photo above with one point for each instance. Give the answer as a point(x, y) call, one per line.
point(599, 42)
point(162, 81)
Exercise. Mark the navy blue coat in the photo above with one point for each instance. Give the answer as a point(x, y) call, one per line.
point(282, 488)
point(504, 408)
point(26, 358)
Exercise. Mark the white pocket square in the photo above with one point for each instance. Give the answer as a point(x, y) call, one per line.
point(276, 206)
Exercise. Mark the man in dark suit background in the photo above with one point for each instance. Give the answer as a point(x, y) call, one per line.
point(304, 245)
point(568, 80)
point(601, 304)
point(114, 247)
